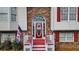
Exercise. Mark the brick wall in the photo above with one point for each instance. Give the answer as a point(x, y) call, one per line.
point(32, 11)
point(67, 46)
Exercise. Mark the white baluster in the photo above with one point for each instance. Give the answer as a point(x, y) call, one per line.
point(31, 45)
point(46, 45)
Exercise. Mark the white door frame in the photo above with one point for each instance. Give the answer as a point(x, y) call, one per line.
point(33, 24)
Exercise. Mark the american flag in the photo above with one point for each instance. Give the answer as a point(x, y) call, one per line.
point(18, 35)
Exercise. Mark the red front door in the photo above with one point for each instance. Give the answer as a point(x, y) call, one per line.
point(38, 30)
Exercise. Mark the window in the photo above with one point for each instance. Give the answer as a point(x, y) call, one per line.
point(38, 18)
point(62, 36)
point(5, 36)
point(3, 16)
point(13, 14)
point(3, 13)
point(13, 10)
point(66, 37)
point(64, 13)
point(68, 13)
point(13, 17)
point(33, 30)
point(70, 36)
point(43, 29)
point(3, 9)
point(72, 13)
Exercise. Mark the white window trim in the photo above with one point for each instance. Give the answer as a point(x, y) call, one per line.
point(15, 14)
point(68, 14)
point(76, 13)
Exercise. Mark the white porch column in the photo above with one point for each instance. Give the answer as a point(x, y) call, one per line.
point(52, 27)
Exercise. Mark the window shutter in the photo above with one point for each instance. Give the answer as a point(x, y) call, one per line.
point(58, 14)
point(57, 36)
point(78, 15)
point(75, 36)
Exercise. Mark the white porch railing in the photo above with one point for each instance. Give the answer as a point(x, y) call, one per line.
point(50, 39)
point(29, 43)
point(50, 42)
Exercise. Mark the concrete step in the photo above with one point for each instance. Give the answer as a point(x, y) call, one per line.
point(35, 49)
point(38, 42)
point(38, 50)
point(38, 45)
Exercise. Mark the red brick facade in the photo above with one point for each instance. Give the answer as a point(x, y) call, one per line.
point(33, 11)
